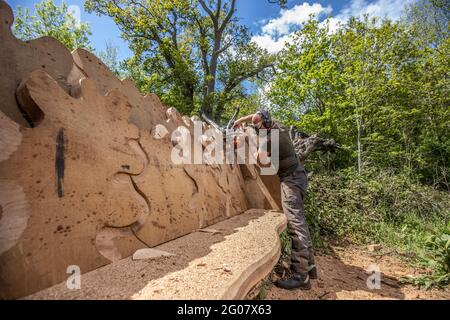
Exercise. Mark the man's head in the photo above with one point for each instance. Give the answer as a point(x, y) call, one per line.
point(262, 120)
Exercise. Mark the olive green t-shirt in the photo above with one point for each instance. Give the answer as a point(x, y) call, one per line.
point(287, 157)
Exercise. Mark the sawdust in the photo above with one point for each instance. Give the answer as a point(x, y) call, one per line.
point(215, 265)
point(206, 265)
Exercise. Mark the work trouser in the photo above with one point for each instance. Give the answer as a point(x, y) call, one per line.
point(293, 192)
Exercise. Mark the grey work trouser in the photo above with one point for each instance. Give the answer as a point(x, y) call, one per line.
point(293, 192)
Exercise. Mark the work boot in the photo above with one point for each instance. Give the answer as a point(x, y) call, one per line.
point(296, 281)
point(312, 272)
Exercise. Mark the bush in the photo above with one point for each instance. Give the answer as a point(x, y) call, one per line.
point(438, 261)
point(386, 208)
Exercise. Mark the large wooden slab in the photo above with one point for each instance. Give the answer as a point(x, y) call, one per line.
point(86, 180)
point(221, 265)
point(72, 171)
point(98, 188)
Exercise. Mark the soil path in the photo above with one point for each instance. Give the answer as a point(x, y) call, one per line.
point(343, 275)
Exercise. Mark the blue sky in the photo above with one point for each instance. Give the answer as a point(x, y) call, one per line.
point(271, 26)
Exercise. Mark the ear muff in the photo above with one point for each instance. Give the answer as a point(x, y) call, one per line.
point(266, 118)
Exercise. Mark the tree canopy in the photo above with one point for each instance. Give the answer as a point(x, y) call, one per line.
point(376, 88)
point(54, 21)
point(379, 88)
point(194, 54)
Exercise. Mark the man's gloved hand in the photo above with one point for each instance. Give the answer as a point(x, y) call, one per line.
point(237, 125)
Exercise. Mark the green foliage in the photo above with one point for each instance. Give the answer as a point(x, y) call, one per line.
point(286, 244)
point(247, 104)
point(440, 246)
point(386, 208)
point(429, 20)
point(109, 57)
point(436, 259)
point(193, 54)
point(381, 90)
point(375, 88)
point(53, 21)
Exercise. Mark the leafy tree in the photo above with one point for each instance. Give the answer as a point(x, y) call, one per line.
point(429, 20)
point(194, 54)
point(110, 58)
point(54, 21)
point(375, 88)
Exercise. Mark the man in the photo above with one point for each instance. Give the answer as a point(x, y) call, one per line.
point(294, 183)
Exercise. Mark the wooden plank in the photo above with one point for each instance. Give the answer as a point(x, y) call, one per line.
point(263, 187)
point(205, 266)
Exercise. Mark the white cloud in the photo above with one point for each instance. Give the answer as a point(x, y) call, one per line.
point(390, 9)
point(294, 17)
point(263, 92)
point(277, 32)
point(333, 24)
point(271, 44)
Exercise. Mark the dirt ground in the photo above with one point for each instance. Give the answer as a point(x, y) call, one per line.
point(343, 275)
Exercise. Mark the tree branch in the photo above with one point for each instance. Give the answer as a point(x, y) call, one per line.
point(174, 31)
point(237, 80)
point(210, 13)
point(224, 48)
point(203, 50)
point(228, 16)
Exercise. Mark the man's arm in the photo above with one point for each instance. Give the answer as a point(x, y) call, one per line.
point(240, 121)
point(262, 157)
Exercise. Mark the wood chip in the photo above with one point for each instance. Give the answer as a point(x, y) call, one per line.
point(226, 268)
point(149, 253)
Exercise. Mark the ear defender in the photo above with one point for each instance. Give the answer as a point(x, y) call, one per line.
point(266, 118)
